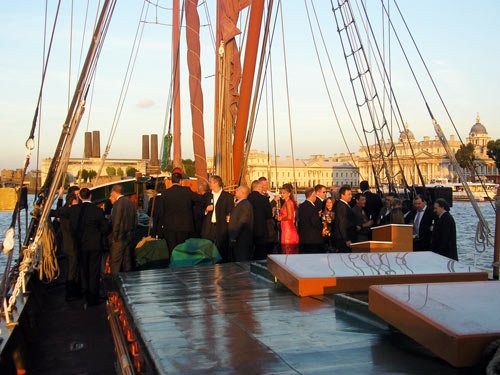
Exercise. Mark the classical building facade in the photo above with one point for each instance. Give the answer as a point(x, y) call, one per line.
point(317, 169)
point(429, 154)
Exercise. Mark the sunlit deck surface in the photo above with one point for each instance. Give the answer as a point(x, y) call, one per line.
point(454, 320)
point(224, 319)
point(318, 274)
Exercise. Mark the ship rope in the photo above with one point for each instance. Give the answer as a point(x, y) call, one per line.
point(288, 99)
point(8, 242)
point(484, 235)
point(125, 86)
point(31, 252)
point(351, 154)
point(474, 167)
point(259, 83)
point(362, 75)
point(388, 89)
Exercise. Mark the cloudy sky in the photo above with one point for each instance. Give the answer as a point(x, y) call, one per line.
point(459, 43)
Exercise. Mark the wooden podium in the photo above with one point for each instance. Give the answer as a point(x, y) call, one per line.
point(391, 237)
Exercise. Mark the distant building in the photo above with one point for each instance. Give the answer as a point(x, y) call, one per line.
point(430, 155)
point(317, 169)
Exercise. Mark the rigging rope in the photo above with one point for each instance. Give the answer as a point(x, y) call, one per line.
point(328, 90)
point(124, 90)
point(435, 88)
point(288, 98)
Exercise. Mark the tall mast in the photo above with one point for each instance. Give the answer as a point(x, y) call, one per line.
point(177, 161)
point(247, 81)
point(195, 91)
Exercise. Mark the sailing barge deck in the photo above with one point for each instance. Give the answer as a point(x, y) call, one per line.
point(225, 319)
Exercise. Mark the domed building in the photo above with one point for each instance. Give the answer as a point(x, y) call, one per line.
point(478, 136)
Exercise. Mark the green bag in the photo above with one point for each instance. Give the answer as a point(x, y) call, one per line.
point(151, 253)
point(195, 252)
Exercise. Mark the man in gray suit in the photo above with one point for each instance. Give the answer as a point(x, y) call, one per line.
point(123, 222)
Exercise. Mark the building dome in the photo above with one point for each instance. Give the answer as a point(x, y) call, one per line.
point(406, 134)
point(478, 128)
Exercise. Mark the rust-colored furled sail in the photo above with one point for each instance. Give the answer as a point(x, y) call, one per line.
point(195, 91)
point(247, 80)
point(177, 161)
point(228, 73)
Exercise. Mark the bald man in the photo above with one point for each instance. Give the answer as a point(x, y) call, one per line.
point(241, 227)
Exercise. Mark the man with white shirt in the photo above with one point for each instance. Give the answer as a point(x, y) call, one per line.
point(217, 212)
point(422, 224)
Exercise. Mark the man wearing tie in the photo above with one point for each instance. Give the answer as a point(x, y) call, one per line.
point(422, 231)
point(217, 210)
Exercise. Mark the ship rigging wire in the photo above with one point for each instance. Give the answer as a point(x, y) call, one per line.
point(329, 93)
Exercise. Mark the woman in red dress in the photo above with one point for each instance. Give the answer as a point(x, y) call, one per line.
point(289, 235)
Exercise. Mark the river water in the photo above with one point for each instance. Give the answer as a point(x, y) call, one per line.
point(463, 213)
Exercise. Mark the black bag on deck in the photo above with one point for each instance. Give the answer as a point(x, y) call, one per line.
point(151, 253)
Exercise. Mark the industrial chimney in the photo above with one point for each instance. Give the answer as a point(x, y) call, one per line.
point(96, 144)
point(145, 147)
point(87, 151)
point(154, 150)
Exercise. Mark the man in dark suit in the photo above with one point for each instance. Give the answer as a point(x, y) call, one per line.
point(320, 191)
point(422, 224)
point(89, 226)
point(262, 212)
point(310, 225)
point(217, 210)
point(123, 223)
point(199, 207)
point(240, 227)
point(373, 201)
point(444, 234)
point(177, 212)
point(344, 226)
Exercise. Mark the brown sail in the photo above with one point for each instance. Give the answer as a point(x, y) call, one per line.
point(195, 91)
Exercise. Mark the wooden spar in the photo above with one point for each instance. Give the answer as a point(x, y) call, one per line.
point(217, 114)
point(177, 162)
point(246, 86)
point(196, 93)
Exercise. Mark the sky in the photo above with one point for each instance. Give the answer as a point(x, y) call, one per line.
point(458, 42)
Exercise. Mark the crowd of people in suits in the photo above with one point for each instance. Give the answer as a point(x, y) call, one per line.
point(247, 226)
point(255, 222)
point(87, 231)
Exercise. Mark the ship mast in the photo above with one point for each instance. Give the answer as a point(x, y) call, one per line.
point(177, 160)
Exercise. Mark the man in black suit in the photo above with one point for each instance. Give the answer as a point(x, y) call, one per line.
point(444, 234)
point(217, 210)
point(373, 201)
point(123, 223)
point(177, 212)
point(422, 224)
point(320, 191)
point(344, 226)
point(89, 226)
point(262, 212)
point(310, 225)
point(240, 227)
point(199, 207)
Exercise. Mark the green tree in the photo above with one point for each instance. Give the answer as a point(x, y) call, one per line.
point(92, 174)
point(188, 167)
point(85, 175)
point(130, 171)
point(111, 171)
point(119, 172)
point(465, 157)
point(494, 151)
